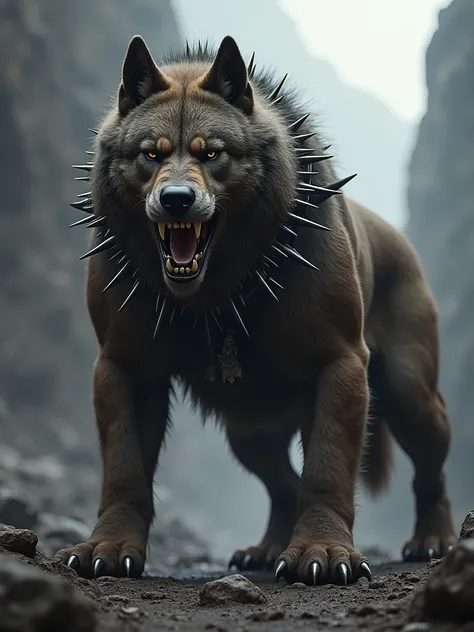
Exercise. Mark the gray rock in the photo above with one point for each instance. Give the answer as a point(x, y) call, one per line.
point(58, 532)
point(232, 589)
point(449, 591)
point(34, 601)
point(21, 541)
point(467, 529)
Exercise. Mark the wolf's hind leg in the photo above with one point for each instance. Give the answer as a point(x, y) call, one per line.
point(264, 453)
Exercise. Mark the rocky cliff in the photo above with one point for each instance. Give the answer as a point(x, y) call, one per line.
point(441, 203)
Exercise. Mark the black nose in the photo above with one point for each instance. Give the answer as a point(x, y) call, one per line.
point(177, 199)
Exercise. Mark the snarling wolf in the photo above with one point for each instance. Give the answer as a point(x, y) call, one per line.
point(225, 257)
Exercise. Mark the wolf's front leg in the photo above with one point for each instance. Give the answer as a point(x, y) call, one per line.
point(321, 549)
point(131, 418)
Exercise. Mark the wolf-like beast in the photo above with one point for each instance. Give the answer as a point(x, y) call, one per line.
point(226, 257)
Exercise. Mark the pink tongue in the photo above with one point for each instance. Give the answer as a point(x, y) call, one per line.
point(183, 245)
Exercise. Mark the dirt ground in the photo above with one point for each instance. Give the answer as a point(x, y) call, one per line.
point(172, 603)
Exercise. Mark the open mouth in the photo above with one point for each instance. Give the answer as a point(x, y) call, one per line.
point(183, 246)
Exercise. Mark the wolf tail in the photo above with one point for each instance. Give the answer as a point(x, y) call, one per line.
point(378, 457)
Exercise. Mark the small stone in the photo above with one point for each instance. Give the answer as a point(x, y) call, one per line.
point(365, 610)
point(267, 615)
point(129, 609)
point(21, 541)
point(416, 627)
point(149, 595)
point(298, 586)
point(377, 585)
point(232, 589)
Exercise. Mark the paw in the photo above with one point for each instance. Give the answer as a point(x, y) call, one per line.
point(425, 548)
point(97, 558)
point(256, 558)
point(322, 564)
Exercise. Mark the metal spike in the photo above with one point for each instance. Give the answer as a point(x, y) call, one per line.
point(303, 137)
point(316, 189)
point(276, 92)
point(242, 300)
point(94, 131)
point(173, 312)
point(306, 203)
point(118, 277)
point(99, 221)
point(129, 297)
point(188, 50)
point(200, 48)
point(82, 167)
point(217, 320)
point(327, 147)
point(297, 256)
point(307, 173)
point(299, 151)
point(307, 222)
point(251, 66)
point(83, 195)
point(276, 101)
point(208, 331)
point(83, 205)
point(105, 245)
point(288, 230)
point(82, 179)
point(280, 252)
point(84, 220)
point(294, 127)
point(265, 285)
point(238, 316)
point(160, 315)
point(117, 254)
point(276, 283)
point(90, 153)
point(270, 261)
point(310, 160)
point(340, 183)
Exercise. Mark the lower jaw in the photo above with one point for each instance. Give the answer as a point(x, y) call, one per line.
point(183, 273)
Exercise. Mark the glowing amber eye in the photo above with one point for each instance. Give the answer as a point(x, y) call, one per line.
point(211, 155)
point(150, 155)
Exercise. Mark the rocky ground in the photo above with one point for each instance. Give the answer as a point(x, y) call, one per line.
point(37, 594)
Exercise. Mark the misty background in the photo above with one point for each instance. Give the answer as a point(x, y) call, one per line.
point(392, 89)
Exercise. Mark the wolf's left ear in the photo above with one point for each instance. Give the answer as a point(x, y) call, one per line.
point(228, 76)
point(140, 77)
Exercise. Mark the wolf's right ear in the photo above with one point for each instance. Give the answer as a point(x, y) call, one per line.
point(140, 77)
point(228, 77)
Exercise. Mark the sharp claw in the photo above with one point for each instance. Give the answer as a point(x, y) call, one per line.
point(364, 571)
point(128, 565)
point(342, 573)
point(247, 560)
point(431, 553)
point(314, 570)
point(232, 562)
point(282, 566)
point(99, 566)
point(406, 554)
point(74, 562)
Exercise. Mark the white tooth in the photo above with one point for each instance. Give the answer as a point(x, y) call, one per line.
point(181, 270)
point(175, 225)
point(170, 225)
point(188, 270)
point(188, 225)
point(176, 270)
point(182, 225)
point(162, 229)
point(194, 267)
point(197, 229)
point(169, 267)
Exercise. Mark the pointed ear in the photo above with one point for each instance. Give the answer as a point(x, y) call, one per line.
point(140, 77)
point(228, 77)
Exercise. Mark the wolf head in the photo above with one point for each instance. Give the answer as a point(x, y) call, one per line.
point(197, 171)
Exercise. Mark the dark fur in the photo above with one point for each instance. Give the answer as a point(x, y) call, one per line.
point(305, 365)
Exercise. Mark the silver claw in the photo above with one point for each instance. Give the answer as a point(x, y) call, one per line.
point(99, 565)
point(366, 572)
point(74, 562)
point(406, 553)
point(343, 572)
point(280, 569)
point(246, 561)
point(128, 565)
point(431, 553)
point(314, 569)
